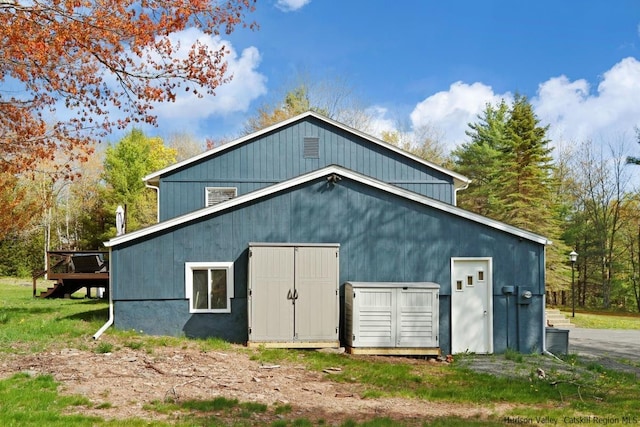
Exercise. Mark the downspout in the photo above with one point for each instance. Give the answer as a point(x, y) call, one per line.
point(544, 325)
point(157, 190)
point(111, 316)
point(455, 192)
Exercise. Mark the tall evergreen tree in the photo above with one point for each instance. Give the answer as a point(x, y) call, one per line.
point(480, 158)
point(509, 159)
point(525, 186)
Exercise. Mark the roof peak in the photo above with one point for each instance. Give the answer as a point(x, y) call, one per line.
point(460, 181)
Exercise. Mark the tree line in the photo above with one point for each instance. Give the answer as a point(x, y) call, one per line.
point(578, 195)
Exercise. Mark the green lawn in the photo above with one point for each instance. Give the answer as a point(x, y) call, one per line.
point(33, 324)
point(29, 325)
point(605, 320)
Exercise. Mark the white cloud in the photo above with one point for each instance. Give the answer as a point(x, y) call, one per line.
point(575, 113)
point(450, 111)
point(572, 109)
point(379, 121)
point(291, 5)
point(246, 85)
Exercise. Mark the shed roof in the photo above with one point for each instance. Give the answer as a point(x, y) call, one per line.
point(321, 173)
point(460, 181)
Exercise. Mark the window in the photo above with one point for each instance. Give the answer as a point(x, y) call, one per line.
point(458, 285)
point(215, 195)
point(469, 280)
point(209, 286)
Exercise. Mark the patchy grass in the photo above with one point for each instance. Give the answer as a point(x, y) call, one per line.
point(104, 348)
point(213, 411)
point(570, 386)
point(28, 400)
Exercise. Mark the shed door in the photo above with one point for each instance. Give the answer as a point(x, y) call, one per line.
point(293, 293)
point(316, 293)
point(471, 305)
point(270, 289)
point(375, 311)
point(417, 323)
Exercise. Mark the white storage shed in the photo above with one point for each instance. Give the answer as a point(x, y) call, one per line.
point(392, 318)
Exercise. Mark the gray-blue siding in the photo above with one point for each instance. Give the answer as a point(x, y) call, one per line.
point(278, 156)
point(383, 237)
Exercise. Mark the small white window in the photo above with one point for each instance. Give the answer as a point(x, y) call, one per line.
point(209, 286)
point(215, 195)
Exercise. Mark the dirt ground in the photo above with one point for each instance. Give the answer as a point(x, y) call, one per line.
point(123, 382)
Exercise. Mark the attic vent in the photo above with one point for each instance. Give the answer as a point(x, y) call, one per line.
point(311, 147)
point(215, 195)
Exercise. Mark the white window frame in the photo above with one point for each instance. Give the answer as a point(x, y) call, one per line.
point(190, 267)
point(206, 194)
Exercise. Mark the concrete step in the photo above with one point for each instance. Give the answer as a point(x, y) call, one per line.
point(555, 318)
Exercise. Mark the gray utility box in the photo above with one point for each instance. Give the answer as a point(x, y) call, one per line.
point(557, 340)
point(390, 315)
point(293, 296)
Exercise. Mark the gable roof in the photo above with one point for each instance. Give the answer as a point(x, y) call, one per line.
point(320, 173)
point(460, 181)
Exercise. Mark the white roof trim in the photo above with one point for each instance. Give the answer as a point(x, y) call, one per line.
point(320, 173)
point(460, 181)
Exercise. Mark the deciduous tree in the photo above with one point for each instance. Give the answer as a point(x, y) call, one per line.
point(126, 163)
point(600, 198)
point(66, 65)
point(423, 142)
point(331, 98)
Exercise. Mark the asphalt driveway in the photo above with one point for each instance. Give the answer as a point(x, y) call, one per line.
point(613, 348)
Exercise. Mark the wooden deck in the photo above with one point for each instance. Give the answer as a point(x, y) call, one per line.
point(72, 271)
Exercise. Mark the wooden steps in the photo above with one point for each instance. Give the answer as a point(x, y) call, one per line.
point(60, 290)
point(556, 319)
point(63, 288)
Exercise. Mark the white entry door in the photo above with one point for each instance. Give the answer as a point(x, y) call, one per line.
point(471, 305)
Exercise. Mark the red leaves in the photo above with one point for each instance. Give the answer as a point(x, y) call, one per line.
point(98, 56)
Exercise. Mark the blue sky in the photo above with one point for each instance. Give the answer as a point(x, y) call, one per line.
point(432, 63)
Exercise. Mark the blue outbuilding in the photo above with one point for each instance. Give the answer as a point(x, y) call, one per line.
point(257, 238)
